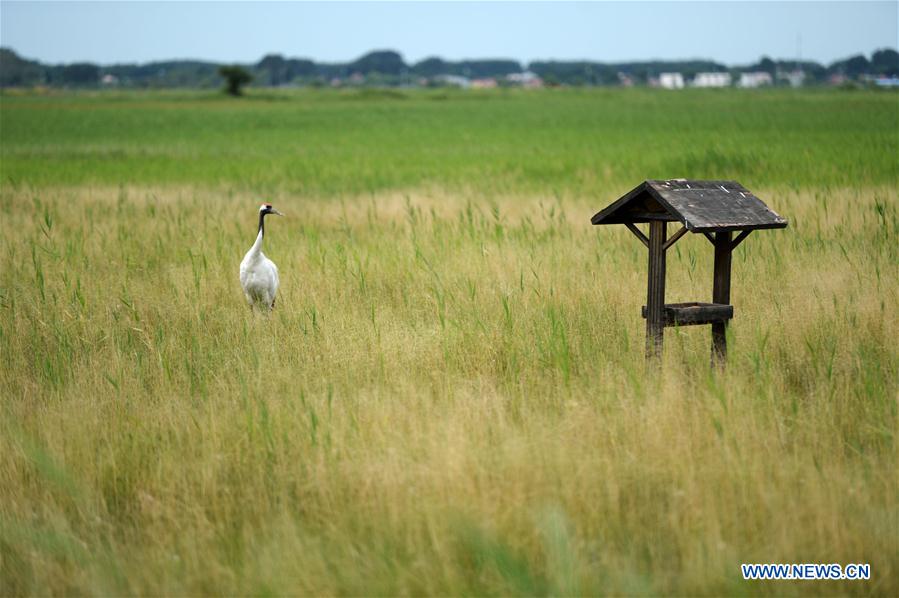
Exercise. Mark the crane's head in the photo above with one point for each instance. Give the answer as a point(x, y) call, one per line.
point(267, 208)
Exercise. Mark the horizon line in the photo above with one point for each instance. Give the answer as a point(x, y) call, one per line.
point(437, 56)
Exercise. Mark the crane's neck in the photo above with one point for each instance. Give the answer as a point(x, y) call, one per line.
point(257, 246)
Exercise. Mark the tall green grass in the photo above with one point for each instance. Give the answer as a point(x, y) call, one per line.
point(450, 396)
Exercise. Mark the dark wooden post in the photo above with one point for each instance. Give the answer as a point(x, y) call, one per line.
point(721, 294)
point(655, 300)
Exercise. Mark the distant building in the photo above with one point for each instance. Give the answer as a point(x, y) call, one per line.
point(755, 79)
point(453, 81)
point(486, 83)
point(838, 79)
point(887, 81)
point(711, 80)
point(109, 80)
point(794, 78)
point(525, 79)
point(625, 80)
point(671, 81)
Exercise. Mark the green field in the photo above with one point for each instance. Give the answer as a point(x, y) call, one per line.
point(450, 396)
point(587, 143)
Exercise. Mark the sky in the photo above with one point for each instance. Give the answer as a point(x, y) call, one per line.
point(729, 32)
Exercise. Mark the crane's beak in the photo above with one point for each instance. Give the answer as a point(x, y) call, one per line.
point(274, 211)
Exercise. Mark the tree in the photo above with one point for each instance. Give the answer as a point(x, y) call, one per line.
point(15, 70)
point(235, 78)
point(275, 67)
point(767, 65)
point(386, 62)
point(431, 67)
point(80, 74)
point(885, 62)
point(851, 67)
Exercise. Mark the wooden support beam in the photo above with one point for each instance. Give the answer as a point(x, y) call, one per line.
point(694, 313)
point(721, 294)
point(637, 233)
point(675, 237)
point(655, 293)
point(740, 238)
point(710, 237)
point(638, 215)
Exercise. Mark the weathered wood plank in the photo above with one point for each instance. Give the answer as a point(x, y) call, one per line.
point(680, 233)
point(646, 216)
point(637, 233)
point(739, 239)
point(703, 206)
point(655, 295)
point(721, 293)
point(694, 314)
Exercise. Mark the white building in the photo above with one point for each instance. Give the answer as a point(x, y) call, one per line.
point(485, 83)
point(711, 80)
point(794, 78)
point(453, 81)
point(525, 79)
point(755, 79)
point(671, 80)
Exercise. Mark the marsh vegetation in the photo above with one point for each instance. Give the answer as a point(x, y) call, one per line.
point(450, 396)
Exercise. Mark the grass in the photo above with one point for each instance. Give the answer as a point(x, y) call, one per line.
point(450, 397)
point(359, 142)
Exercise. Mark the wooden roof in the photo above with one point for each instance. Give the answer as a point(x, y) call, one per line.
point(702, 206)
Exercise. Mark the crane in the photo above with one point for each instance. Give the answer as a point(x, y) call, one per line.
point(258, 274)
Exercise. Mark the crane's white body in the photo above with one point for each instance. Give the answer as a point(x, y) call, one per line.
point(258, 274)
point(259, 277)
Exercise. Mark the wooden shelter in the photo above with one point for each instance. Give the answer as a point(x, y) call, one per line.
point(717, 209)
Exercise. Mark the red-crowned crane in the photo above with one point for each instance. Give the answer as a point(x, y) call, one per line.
point(258, 274)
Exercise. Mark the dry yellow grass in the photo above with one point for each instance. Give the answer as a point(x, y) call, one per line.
point(450, 398)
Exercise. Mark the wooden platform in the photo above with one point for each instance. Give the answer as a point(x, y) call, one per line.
point(694, 313)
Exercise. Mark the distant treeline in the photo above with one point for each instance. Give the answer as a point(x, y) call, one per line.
point(388, 68)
